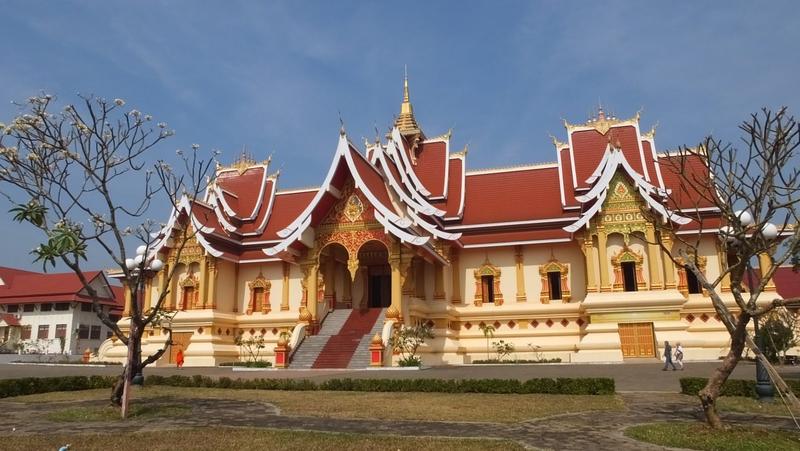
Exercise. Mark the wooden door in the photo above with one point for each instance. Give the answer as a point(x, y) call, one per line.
point(637, 340)
point(180, 340)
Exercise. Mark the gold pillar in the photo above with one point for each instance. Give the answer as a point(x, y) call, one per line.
point(765, 264)
point(723, 267)
point(588, 252)
point(653, 251)
point(397, 283)
point(313, 274)
point(203, 285)
point(287, 268)
point(669, 265)
point(213, 272)
point(236, 288)
point(520, 271)
point(455, 269)
point(602, 250)
point(127, 310)
point(438, 286)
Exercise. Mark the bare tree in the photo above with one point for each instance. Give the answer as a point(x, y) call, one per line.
point(754, 195)
point(80, 175)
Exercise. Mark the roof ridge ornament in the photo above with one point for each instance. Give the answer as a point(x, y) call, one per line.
point(602, 123)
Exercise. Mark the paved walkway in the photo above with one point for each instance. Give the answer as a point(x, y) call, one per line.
point(580, 431)
point(643, 376)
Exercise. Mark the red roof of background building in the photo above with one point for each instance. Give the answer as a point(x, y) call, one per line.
point(10, 319)
point(27, 287)
point(787, 282)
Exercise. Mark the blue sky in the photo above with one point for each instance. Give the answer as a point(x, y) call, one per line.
point(275, 77)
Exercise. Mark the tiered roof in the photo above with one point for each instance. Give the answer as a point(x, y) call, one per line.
point(421, 193)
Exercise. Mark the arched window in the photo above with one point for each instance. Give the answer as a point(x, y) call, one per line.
point(687, 281)
point(555, 282)
point(259, 295)
point(487, 284)
point(628, 270)
point(189, 292)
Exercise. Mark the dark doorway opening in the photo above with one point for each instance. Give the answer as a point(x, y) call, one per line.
point(380, 290)
point(629, 276)
point(692, 284)
point(554, 278)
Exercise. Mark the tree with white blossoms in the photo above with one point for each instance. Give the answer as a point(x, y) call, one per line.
point(81, 176)
point(756, 191)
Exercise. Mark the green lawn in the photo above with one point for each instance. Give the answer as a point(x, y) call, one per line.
point(700, 437)
point(110, 413)
point(251, 439)
point(404, 406)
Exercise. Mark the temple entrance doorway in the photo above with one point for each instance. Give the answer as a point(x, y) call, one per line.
point(374, 259)
point(637, 340)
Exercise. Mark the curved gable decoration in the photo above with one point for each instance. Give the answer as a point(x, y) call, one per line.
point(613, 160)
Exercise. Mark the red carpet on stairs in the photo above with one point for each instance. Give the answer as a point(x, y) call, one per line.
point(340, 348)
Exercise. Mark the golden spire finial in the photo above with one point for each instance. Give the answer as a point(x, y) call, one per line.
point(406, 121)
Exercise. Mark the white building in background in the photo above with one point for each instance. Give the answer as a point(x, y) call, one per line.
point(52, 313)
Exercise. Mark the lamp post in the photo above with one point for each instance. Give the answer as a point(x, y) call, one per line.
point(139, 267)
point(769, 232)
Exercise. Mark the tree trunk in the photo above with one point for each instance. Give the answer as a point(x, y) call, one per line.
point(709, 394)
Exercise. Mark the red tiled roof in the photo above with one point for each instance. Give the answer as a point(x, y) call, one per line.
point(692, 169)
point(10, 319)
point(535, 195)
point(515, 236)
point(37, 287)
point(431, 166)
point(787, 282)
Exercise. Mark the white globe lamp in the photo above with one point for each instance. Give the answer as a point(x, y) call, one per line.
point(769, 231)
point(156, 265)
point(744, 217)
point(130, 263)
point(141, 250)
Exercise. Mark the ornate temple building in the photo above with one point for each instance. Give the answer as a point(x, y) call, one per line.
point(560, 259)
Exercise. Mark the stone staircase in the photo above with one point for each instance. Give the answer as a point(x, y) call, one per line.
point(360, 358)
point(340, 349)
point(312, 346)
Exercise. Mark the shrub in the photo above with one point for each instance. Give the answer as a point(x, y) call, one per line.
point(583, 386)
point(33, 385)
point(249, 364)
point(731, 387)
point(516, 361)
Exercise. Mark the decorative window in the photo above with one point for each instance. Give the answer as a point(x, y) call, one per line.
point(25, 334)
point(259, 295)
point(44, 332)
point(28, 307)
point(189, 292)
point(687, 281)
point(61, 331)
point(83, 332)
point(13, 308)
point(86, 307)
point(95, 333)
point(62, 306)
point(555, 282)
point(628, 271)
point(47, 307)
point(487, 284)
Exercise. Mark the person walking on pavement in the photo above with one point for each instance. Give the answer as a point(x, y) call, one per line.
point(668, 357)
point(679, 355)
